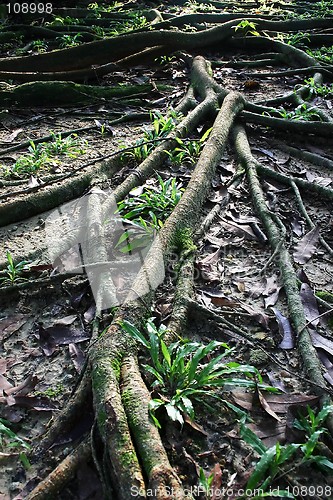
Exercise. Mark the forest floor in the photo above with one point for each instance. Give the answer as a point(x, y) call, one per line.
point(239, 292)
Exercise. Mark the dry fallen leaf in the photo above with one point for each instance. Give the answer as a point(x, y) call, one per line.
point(306, 247)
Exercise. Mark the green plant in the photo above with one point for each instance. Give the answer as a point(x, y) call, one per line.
point(165, 60)
point(312, 425)
point(324, 54)
point(298, 39)
point(52, 392)
point(271, 459)
point(314, 89)
point(302, 112)
point(71, 146)
point(160, 200)
point(8, 438)
point(35, 159)
point(69, 40)
point(206, 482)
point(41, 156)
point(162, 126)
point(61, 21)
point(39, 45)
point(198, 6)
point(145, 213)
point(247, 28)
point(13, 272)
point(99, 31)
point(188, 151)
point(185, 372)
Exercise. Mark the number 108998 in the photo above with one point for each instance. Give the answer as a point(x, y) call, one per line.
point(29, 8)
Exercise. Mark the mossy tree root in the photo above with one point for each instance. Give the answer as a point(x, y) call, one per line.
point(308, 352)
point(118, 390)
point(74, 63)
point(55, 93)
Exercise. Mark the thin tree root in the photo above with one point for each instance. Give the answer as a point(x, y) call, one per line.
point(309, 354)
point(307, 218)
point(62, 474)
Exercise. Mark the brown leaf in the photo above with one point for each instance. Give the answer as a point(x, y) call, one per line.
point(67, 320)
point(280, 403)
point(77, 356)
point(3, 366)
point(272, 299)
point(24, 388)
point(90, 313)
point(267, 407)
point(257, 314)
point(13, 135)
point(36, 403)
point(316, 179)
point(285, 330)
point(4, 384)
point(215, 486)
point(270, 286)
point(219, 195)
point(328, 375)
point(269, 432)
point(9, 325)
point(218, 298)
point(306, 247)
point(33, 182)
point(240, 229)
point(309, 302)
point(321, 342)
point(297, 227)
point(243, 399)
point(194, 425)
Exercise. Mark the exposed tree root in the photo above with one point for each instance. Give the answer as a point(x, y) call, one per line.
point(309, 355)
point(62, 474)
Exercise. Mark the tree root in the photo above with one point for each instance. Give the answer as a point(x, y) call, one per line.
point(309, 354)
point(305, 214)
point(63, 93)
point(62, 474)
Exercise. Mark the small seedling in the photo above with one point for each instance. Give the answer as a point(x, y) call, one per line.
point(69, 40)
point(302, 112)
point(39, 45)
point(42, 156)
point(165, 60)
point(8, 438)
point(162, 126)
point(187, 151)
point(318, 90)
point(324, 54)
point(71, 145)
point(61, 21)
point(145, 213)
point(295, 39)
point(247, 28)
point(272, 459)
point(14, 271)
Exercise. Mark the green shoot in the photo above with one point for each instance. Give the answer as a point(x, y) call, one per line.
point(144, 214)
point(13, 272)
point(247, 28)
point(8, 438)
